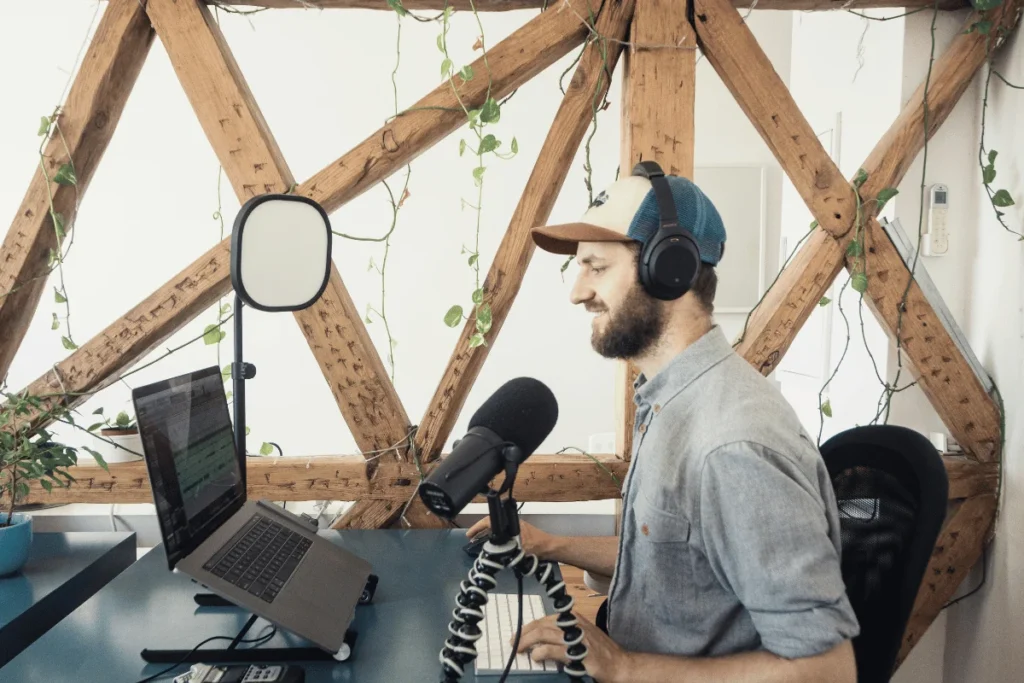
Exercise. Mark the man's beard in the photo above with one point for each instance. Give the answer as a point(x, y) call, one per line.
point(633, 329)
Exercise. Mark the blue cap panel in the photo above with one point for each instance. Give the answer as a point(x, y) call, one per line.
point(695, 212)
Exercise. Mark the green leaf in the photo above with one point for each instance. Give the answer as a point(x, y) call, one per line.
point(565, 265)
point(44, 125)
point(46, 485)
point(99, 458)
point(824, 301)
point(474, 114)
point(860, 282)
point(213, 335)
point(454, 316)
point(58, 224)
point(854, 249)
point(483, 319)
point(885, 195)
point(826, 408)
point(51, 258)
point(58, 297)
point(462, 147)
point(55, 325)
point(478, 174)
point(859, 179)
point(477, 340)
point(247, 430)
point(515, 146)
point(489, 144)
point(1002, 198)
point(225, 372)
point(228, 395)
point(94, 427)
point(98, 411)
point(266, 449)
point(123, 420)
point(225, 309)
point(988, 174)
point(983, 26)
point(992, 156)
point(473, 260)
point(65, 175)
point(814, 224)
point(68, 344)
point(446, 67)
point(467, 73)
point(491, 111)
point(440, 42)
point(397, 6)
point(478, 296)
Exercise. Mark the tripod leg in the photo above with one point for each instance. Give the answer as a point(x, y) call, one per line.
point(460, 648)
point(544, 572)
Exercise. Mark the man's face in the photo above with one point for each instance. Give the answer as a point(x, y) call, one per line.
point(627, 322)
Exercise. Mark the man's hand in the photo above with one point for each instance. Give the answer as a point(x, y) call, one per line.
point(605, 661)
point(534, 540)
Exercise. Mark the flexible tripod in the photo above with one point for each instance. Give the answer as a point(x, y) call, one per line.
point(504, 550)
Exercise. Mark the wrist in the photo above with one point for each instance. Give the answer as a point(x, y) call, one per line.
point(624, 670)
point(549, 547)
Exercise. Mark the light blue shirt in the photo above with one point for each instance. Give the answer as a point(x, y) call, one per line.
point(730, 535)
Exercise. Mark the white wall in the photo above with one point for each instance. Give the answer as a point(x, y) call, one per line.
point(149, 207)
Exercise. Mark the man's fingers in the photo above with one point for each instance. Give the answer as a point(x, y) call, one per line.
point(550, 653)
point(540, 633)
point(480, 526)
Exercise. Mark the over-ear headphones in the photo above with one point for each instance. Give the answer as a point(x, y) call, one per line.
point(670, 259)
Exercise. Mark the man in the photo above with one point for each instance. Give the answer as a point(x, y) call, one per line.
point(727, 567)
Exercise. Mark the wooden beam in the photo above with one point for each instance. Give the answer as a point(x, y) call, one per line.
point(658, 95)
point(253, 162)
point(86, 122)
point(775, 322)
point(944, 375)
point(586, 90)
point(742, 65)
point(522, 55)
point(969, 478)
point(95, 364)
point(507, 5)
point(551, 478)
point(958, 548)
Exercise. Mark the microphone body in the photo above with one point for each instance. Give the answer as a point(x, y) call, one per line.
point(506, 430)
point(464, 473)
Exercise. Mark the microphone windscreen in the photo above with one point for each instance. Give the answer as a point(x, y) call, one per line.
point(523, 411)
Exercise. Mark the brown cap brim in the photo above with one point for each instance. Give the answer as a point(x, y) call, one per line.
point(564, 239)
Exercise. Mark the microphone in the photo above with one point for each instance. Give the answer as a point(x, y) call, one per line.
point(503, 432)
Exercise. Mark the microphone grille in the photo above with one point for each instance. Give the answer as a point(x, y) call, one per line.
point(523, 411)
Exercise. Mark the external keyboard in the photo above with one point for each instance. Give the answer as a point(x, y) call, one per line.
point(501, 618)
point(260, 558)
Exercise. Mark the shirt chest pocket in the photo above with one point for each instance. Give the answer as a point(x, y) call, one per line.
point(663, 562)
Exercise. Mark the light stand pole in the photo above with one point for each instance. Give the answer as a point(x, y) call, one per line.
point(240, 371)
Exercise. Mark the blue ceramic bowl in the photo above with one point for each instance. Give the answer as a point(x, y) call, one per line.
point(15, 542)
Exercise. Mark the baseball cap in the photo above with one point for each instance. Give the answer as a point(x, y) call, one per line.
point(627, 211)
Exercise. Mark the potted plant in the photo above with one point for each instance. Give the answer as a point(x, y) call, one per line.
point(119, 440)
point(27, 455)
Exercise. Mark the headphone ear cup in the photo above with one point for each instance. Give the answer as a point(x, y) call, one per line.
point(669, 266)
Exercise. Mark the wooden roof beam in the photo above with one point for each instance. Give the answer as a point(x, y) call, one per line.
point(87, 121)
point(551, 478)
point(508, 5)
point(97, 363)
point(588, 86)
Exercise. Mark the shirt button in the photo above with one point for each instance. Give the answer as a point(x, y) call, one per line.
point(642, 428)
point(657, 408)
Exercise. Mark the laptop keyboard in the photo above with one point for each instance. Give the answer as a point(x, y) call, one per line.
point(260, 558)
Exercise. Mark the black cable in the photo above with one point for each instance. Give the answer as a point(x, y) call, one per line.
point(984, 575)
point(519, 632)
point(259, 640)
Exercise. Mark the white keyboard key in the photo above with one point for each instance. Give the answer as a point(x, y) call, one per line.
point(501, 619)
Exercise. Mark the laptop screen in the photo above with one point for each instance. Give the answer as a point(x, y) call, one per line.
point(188, 442)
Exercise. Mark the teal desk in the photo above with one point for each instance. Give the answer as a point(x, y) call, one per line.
point(63, 571)
point(400, 634)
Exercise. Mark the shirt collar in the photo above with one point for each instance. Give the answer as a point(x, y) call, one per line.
point(691, 363)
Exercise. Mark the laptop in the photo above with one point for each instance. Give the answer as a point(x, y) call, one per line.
point(251, 553)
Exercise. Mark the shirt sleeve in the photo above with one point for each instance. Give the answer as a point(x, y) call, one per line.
point(766, 535)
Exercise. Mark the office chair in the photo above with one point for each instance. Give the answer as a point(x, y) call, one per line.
point(891, 488)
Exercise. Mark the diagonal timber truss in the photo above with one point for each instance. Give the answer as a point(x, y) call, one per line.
point(657, 123)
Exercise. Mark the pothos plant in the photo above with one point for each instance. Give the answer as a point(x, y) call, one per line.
point(28, 454)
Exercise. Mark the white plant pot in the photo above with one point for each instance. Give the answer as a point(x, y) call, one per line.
point(123, 449)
